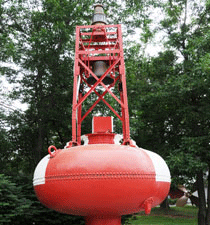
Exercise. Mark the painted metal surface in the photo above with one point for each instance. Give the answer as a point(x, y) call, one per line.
point(102, 124)
point(102, 179)
point(99, 43)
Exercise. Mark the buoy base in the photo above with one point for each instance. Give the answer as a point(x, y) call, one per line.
point(103, 220)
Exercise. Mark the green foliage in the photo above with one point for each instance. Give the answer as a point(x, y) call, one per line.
point(13, 201)
point(19, 205)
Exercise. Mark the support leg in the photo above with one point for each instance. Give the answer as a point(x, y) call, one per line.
point(103, 220)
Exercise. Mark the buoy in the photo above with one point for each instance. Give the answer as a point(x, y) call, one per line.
point(101, 179)
point(105, 177)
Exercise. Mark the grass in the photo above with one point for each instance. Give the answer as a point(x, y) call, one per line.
point(173, 216)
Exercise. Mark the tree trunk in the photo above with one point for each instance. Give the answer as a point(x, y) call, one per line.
point(202, 199)
point(39, 96)
point(39, 143)
point(208, 201)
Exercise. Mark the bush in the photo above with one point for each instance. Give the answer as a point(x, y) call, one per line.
point(19, 205)
point(12, 203)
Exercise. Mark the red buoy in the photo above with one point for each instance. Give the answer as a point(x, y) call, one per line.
point(104, 178)
point(101, 179)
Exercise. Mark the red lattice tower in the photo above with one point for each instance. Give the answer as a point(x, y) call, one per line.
point(99, 43)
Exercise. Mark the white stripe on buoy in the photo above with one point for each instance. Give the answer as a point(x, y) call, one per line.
point(85, 139)
point(39, 173)
point(118, 138)
point(161, 168)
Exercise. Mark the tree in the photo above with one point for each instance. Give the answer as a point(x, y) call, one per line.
point(172, 111)
point(45, 45)
point(191, 41)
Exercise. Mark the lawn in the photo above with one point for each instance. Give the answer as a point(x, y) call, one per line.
point(174, 216)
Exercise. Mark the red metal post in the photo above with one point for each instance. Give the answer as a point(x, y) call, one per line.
point(76, 74)
point(79, 114)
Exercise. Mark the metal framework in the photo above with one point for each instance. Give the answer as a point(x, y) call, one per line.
point(99, 43)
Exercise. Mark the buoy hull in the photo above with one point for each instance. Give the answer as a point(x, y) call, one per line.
point(101, 179)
